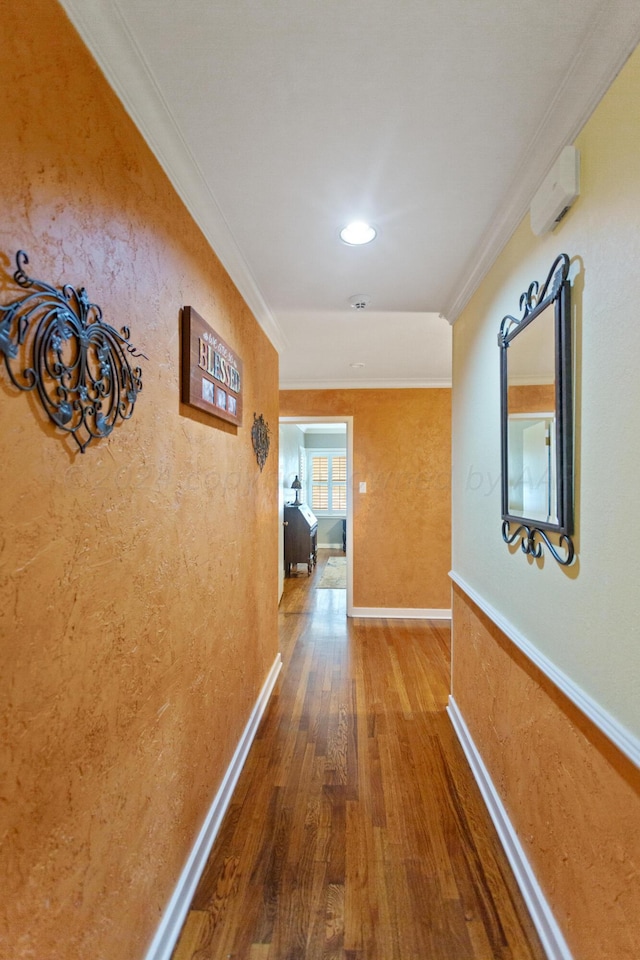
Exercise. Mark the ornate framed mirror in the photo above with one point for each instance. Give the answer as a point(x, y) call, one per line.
point(537, 418)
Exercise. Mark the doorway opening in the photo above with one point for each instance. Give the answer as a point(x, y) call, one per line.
point(329, 489)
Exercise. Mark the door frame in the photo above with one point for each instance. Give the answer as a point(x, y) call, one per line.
point(349, 424)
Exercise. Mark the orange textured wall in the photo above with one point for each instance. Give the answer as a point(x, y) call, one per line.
point(138, 582)
point(402, 525)
point(535, 398)
point(572, 797)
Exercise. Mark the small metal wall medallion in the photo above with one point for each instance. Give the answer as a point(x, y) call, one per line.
point(260, 439)
point(55, 342)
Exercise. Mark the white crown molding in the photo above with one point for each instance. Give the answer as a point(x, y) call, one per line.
point(400, 613)
point(615, 33)
point(545, 923)
point(166, 937)
point(364, 384)
point(105, 32)
point(623, 739)
point(613, 37)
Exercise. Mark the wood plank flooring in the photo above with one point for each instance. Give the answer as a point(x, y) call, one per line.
point(356, 831)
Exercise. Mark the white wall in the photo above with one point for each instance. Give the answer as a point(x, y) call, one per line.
point(329, 532)
point(320, 441)
point(585, 618)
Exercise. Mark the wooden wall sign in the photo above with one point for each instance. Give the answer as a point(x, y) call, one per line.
point(211, 370)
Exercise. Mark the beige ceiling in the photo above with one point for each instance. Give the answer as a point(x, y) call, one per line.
point(279, 121)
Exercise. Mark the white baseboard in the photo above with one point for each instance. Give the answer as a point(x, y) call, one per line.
point(400, 613)
point(622, 738)
point(549, 932)
point(163, 944)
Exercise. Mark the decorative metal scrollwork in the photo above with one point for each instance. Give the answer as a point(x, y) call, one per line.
point(55, 342)
point(260, 439)
point(530, 544)
point(534, 298)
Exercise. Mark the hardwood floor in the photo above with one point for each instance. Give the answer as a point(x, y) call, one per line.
point(356, 831)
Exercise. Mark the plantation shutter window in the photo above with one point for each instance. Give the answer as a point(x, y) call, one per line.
point(339, 484)
point(319, 483)
point(327, 482)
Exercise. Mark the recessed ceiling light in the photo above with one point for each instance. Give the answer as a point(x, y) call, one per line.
point(356, 366)
point(357, 232)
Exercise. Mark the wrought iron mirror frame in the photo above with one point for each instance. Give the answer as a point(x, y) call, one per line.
point(555, 291)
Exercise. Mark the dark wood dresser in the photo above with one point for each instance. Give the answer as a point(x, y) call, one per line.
point(300, 537)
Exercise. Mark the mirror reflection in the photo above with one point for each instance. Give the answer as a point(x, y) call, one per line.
point(531, 431)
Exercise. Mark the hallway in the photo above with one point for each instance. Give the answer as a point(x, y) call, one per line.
point(356, 831)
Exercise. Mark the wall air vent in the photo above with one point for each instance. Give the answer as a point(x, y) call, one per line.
point(558, 191)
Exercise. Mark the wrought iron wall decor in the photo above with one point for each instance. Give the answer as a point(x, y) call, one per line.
point(260, 439)
point(55, 343)
point(537, 418)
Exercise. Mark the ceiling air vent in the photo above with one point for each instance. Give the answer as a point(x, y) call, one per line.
point(359, 301)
